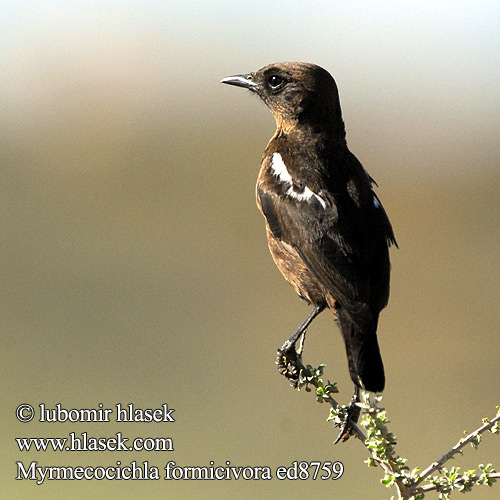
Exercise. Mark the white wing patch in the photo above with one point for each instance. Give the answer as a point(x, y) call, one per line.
point(279, 169)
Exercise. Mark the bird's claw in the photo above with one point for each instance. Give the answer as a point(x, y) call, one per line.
point(289, 361)
point(350, 416)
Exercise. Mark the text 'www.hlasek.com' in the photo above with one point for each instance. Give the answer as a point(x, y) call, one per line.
point(133, 469)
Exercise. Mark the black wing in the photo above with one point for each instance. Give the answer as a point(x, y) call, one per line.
point(344, 248)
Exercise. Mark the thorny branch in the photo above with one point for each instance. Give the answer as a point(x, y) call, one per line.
point(357, 431)
point(431, 487)
point(407, 484)
point(472, 437)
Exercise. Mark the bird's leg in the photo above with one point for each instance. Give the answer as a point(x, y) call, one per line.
point(289, 359)
point(351, 415)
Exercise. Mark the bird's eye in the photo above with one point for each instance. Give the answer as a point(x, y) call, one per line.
point(275, 82)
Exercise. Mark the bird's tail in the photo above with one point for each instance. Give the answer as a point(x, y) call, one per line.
point(363, 353)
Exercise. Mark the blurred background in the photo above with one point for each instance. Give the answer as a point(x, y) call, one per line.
point(134, 266)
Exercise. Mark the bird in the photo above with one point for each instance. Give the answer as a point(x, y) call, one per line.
point(327, 230)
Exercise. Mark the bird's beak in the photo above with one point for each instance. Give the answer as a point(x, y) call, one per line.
point(244, 81)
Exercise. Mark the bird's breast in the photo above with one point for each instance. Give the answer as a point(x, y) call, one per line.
point(295, 271)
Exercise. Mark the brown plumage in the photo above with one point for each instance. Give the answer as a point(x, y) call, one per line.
point(327, 230)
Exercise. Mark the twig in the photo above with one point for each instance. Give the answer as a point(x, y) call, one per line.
point(358, 432)
point(408, 486)
point(431, 487)
point(456, 449)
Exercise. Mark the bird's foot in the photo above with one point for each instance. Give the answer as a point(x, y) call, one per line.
point(289, 360)
point(348, 415)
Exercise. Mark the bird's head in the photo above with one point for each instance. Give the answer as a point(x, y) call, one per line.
point(297, 94)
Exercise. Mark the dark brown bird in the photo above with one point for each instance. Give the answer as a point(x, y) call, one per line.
point(327, 230)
